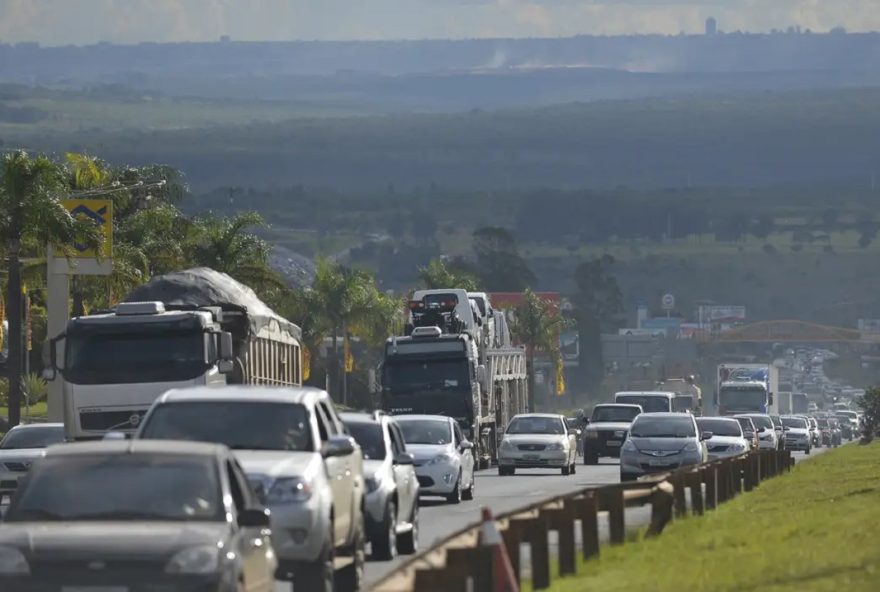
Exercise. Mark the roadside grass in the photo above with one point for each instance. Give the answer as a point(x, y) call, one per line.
point(810, 531)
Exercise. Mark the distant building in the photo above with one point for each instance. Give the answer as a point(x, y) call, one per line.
point(711, 26)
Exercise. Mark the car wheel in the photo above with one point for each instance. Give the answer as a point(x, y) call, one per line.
point(454, 496)
point(502, 471)
point(807, 451)
point(385, 545)
point(468, 494)
point(408, 542)
point(351, 577)
point(566, 469)
point(320, 575)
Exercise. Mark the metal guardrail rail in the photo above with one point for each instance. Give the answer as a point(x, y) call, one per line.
point(458, 563)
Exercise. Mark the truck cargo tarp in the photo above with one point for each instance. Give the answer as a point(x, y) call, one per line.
point(202, 286)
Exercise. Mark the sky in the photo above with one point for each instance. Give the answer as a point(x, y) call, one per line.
point(63, 22)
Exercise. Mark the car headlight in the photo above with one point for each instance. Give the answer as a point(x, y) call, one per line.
point(289, 490)
point(628, 446)
point(692, 447)
point(592, 435)
point(203, 559)
point(737, 447)
point(373, 483)
point(555, 446)
point(13, 562)
point(441, 458)
point(506, 445)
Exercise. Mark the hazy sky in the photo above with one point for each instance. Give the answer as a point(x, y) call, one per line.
point(60, 22)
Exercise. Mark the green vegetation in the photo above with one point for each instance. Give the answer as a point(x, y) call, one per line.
point(809, 531)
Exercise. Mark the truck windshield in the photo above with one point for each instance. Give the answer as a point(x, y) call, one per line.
point(743, 398)
point(683, 403)
point(244, 425)
point(128, 357)
point(409, 377)
point(609, 414)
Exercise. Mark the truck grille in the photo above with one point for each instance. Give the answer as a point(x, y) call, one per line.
point(101, 421)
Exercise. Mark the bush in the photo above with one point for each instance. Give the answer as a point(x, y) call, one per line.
point(34, 388)
point(870, 407)
point(4, 391)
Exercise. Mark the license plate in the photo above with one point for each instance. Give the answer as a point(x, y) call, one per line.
point(531, 456)
point(658, 463)
point(613, 443)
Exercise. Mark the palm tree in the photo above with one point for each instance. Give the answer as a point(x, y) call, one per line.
point(537, 325)
point(438, 275)
point(31, 212)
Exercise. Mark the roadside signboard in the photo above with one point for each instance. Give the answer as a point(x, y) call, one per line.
point(99, 211)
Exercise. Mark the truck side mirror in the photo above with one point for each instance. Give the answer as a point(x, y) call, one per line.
point(225, 346)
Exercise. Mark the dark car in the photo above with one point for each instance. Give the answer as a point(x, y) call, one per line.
point(606, 430)
point(141, 515)
point(826, 431)
point(847, 429)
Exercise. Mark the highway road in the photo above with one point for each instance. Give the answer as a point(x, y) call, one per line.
point(502, 494)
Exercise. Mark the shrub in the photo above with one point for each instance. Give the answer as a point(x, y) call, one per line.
point(34, 388)
point(870, 407)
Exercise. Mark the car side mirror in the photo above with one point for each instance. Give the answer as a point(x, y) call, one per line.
point(338, 446)
point(465, 445)
point(786, 429)
point(706, 436)
point(404, 458)
point(255, 518)
point(578, 433)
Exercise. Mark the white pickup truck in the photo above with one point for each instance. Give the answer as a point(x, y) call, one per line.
point(298, 457)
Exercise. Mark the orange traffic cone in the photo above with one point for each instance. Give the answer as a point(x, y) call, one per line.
point(505, 579)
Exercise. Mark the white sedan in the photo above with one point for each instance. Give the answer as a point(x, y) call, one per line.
point(727, 438)
point(537, 441)
point(443, 458)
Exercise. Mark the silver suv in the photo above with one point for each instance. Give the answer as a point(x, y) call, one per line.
point(300, 460)
point(660, 442)
point(391, 508)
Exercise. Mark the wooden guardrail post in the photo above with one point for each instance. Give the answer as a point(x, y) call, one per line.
point(611, 501)
point(536, 531)
point(710, 478)
point(735, 477)
point(678, 484)
point(749, 464)
point(695, 481)
point(588, 512)
point(723, 483)
point(513, 537)
point(662, 502)
point(562, 521)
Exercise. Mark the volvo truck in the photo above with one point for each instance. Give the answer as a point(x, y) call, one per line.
point(188, 328)
point(747, 388)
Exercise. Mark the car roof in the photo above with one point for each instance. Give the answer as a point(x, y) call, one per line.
point(263, 394)
point(414, 416)
point(719, 418)
point(355, 417)
point(119, 447)
point(31, 426)
point(624, 405)
point(643, 393)
point(663, 415)
point(547, 415)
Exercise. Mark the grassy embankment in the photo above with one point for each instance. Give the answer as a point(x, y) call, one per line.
point(810, 531)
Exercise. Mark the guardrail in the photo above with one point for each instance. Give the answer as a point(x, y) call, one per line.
point(459, 563)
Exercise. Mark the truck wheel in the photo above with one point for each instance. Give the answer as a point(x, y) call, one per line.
point(574, 467)
point(454, 497)
point(385, 545)
point(351, 577)
point(408, 542)
point(318, 576)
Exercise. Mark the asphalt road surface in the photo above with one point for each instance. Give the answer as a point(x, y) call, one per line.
point(502, 494)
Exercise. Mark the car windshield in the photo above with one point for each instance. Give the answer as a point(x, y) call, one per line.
point(719, 427)
point(370, 437)
point(120, 487)
point(33, 437)
point(649, 403)
point(536, 425)
point(425, 431)
point(762, 421)
point(777, 422)
point(614, 414)
point(746, 423)
point(823, 423)
point(794, 422)
point(663, 427)
point(241, 425)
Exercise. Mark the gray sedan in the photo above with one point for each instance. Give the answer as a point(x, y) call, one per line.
point(121, 516)
point(660, 442)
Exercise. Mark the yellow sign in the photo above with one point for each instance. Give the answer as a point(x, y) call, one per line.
point(560, 377)
point(307, 364)
point(100, 211)
point(349, 359)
